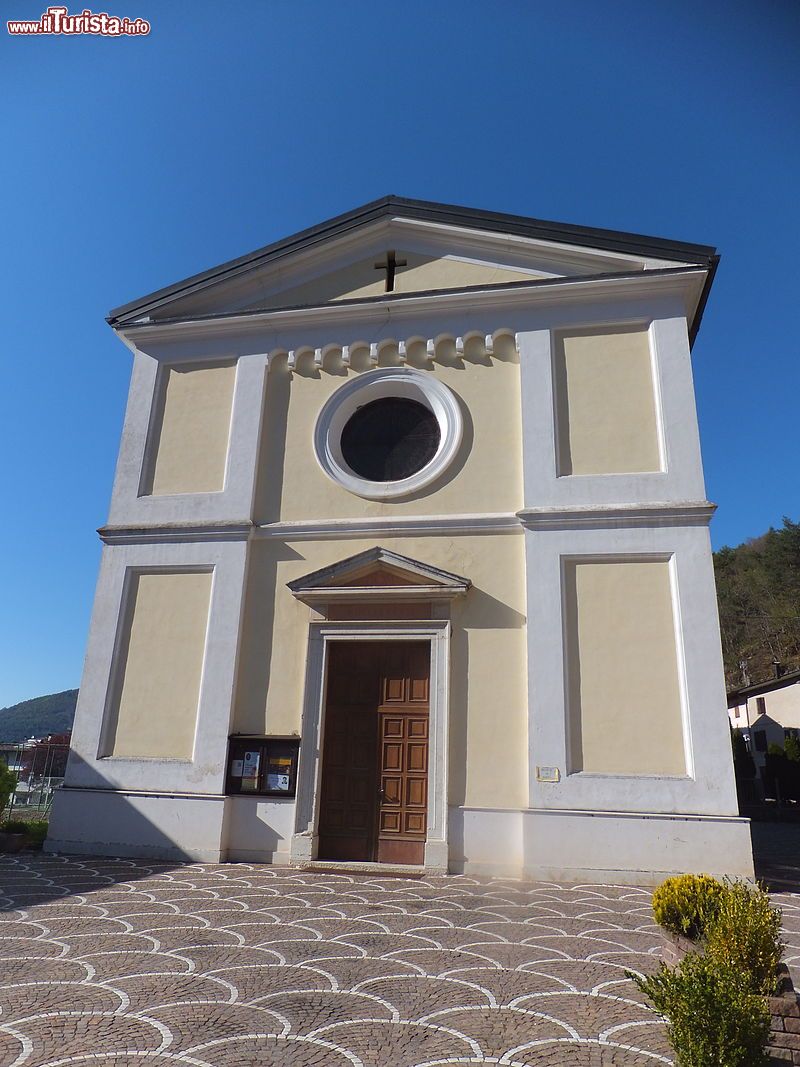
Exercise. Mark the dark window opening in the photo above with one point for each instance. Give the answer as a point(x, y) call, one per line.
point(390, 439)
point(761, 705)
point(760, 739)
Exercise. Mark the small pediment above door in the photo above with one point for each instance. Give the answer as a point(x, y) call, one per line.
point(378, 574)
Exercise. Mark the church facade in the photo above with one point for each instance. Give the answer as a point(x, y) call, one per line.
point(408, 562)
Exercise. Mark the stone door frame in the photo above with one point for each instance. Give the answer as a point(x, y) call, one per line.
point(305, 839)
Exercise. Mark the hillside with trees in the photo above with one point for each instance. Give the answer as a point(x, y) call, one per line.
point(52, 714)
point(758, 591)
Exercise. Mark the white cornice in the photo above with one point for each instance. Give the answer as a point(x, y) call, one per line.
point(400, 526)
point(310, 530)
point(406, 594)
point(687, 283)
point(500, 244)
point(598, 516)
point(594, 516)
point(183, 532)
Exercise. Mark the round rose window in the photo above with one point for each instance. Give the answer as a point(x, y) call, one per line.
point(389, 439)
point(388, 433)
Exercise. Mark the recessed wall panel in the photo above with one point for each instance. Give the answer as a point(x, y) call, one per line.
point(624, 695)
point(153, 713)
point(605, 402)
point(191, 431)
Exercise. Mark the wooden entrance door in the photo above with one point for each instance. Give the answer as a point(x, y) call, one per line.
point(374, 794)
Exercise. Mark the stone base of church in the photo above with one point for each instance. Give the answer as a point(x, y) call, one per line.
point(106, 822)
point(536, 844)
point(566, 845)
point(171, 826)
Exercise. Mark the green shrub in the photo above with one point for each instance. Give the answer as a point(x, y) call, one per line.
point(34, 829)
point(713, 1016)
point(686, 904)
point(745, 932)
point(37, 830)
point(14, 826)
point(8, 783)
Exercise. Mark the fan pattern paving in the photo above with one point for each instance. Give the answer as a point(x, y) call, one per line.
point(116, 963)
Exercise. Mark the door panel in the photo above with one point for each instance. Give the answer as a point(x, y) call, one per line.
point(392, 756)
point(415, 823)
point(415, 793)
point(418, 756)
point(419, 672)
point(392, 790)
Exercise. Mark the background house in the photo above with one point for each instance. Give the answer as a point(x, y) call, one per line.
point(766, 713)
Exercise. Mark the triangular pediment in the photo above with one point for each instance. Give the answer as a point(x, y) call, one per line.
point(378, 574)
point(434, 247)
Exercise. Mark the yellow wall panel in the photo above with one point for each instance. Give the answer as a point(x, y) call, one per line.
point(624, 697)
point(605, 402)
point(154, 711)
point(191, 433)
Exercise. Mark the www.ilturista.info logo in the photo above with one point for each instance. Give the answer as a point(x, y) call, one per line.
point(56, 20)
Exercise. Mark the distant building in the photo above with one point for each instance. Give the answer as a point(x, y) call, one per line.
point(766, 713)
point(39, 765)
point(11, 752)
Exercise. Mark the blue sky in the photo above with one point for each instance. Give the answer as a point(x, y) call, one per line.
point(131, 163)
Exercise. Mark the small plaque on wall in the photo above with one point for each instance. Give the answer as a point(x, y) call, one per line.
point(548, 774)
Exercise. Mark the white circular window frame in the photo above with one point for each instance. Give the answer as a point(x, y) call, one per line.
point(376, 385)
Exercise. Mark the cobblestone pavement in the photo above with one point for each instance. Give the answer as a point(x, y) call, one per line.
point(776, 850)
point(116, 963)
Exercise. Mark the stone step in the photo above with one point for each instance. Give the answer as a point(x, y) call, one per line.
point(377, 870)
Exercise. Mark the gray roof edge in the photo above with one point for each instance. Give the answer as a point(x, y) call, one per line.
point(426, 211)
point(735, 696)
